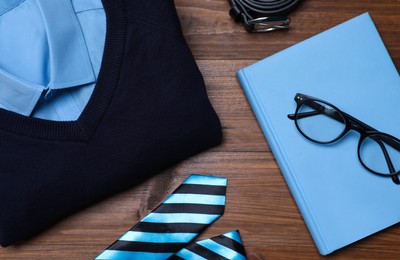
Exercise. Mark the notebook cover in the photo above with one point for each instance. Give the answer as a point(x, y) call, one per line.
point(348, 66)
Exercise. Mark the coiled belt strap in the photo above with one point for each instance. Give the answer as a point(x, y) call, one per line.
point(262, 15)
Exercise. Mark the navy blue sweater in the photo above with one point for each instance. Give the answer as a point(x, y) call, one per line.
point(149, 110)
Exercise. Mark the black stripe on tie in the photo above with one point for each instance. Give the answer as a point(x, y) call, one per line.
point(201, 189)
point(190, 208)
point(147, 247)
point(169, 227)
point(175, 257)
point(204, 252)
point(229, 243)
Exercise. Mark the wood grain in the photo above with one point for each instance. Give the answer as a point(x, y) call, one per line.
point(259, 202)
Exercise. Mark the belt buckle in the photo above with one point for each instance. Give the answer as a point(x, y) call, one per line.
point(267, 24)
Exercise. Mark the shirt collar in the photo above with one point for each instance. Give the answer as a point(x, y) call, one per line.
point(69, 61)
point(69, 58)
point(17, 95)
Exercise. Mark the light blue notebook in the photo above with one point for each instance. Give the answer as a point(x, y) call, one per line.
point(348, 66)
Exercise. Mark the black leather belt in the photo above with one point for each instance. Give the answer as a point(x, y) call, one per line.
point(262, 15)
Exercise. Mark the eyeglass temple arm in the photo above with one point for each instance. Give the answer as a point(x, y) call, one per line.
point(395, 177)
point(329, 112)
point(319, 109)
point(303, 115)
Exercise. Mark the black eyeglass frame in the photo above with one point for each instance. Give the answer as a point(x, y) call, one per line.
point(351, 123)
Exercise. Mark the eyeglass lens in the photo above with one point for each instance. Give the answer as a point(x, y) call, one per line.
point(380, 153)
point(319, 121)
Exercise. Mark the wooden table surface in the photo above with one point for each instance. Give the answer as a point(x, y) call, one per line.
point(259, 202)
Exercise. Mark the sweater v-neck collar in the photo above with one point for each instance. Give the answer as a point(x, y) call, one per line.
point(83, 128)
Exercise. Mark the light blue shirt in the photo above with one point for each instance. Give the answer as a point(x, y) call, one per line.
point(50, 56)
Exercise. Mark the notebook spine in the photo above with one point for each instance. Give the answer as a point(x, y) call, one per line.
point(284, 166)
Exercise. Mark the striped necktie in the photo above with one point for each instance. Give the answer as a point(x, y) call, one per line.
point(223, 247)
point(196, 203)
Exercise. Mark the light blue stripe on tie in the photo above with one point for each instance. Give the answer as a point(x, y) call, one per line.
point(234, 235)
point(180, 218)
point(206, 180)
point(186, 254)
point(221, 250)
point(196, 199)
point(129, 255)
point(149, 237)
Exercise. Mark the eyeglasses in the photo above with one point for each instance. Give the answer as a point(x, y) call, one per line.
point(324, 123)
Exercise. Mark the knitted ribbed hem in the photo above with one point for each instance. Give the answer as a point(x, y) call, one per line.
point(83, 128)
